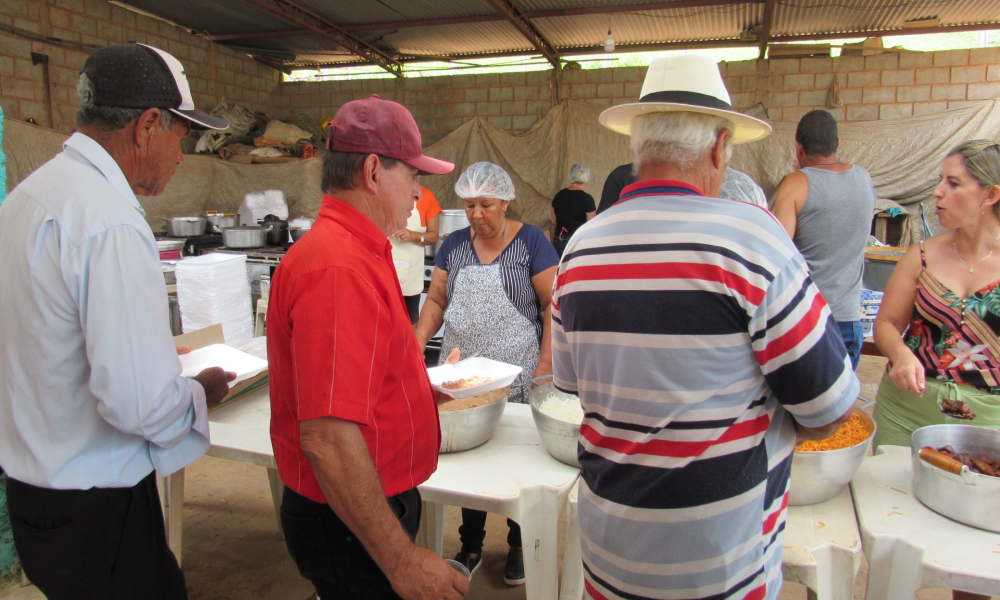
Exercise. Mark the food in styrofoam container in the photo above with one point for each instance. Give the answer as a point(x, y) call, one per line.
point(563, 408)
point(466, 382)
point(491, 374)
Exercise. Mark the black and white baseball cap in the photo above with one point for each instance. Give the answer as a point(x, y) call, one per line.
point(135, 75)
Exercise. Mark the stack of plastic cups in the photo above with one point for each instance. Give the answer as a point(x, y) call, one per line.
point(214, 289)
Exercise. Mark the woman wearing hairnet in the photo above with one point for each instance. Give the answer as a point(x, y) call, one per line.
point(491, 286)
point(571, 208)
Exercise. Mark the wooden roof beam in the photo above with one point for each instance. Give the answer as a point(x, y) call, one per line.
point(335, 33)
point(528, 30)
point(765, 31)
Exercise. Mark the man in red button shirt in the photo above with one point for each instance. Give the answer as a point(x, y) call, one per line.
point(353, 417)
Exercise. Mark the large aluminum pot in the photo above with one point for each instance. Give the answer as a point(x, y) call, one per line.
point(559, 437)
point(819, 476)
point(470, 427)
point(185, 226)
point(297, 232)
point(245, 236)
point(451, 220)
point(216, 223)
point(968, 498)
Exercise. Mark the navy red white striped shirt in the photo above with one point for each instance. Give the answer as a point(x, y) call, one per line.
point(690, 329)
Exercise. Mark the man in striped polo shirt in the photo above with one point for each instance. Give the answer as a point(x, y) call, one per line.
point(699, 347)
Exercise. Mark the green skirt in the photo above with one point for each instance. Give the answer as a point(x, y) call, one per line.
point(899, 413)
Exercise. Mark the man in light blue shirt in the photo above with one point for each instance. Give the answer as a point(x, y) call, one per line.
point(91, 396)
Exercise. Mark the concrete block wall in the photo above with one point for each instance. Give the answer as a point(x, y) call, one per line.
point(886, 86)
point(213, 71)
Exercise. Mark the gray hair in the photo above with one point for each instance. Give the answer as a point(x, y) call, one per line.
point(680, 138)
point(982, 160)
point(110, 118)
point(579, 173)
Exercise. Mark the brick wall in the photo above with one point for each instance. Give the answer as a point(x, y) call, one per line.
point(98, 23)
point(885, 86)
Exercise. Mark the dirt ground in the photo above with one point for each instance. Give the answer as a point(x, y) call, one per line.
point(232, 549)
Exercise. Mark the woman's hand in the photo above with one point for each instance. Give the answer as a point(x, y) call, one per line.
point(907, 373)
point(405, 235)
point(544, 370)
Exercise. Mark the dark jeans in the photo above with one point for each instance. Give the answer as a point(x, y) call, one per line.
point(854, 337)
point(473, 531)
point(330, 556)
point(100, 544)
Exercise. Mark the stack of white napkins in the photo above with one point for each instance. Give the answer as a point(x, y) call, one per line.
point(214, 288)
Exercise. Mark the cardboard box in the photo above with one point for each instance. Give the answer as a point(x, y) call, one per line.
point(213, 335)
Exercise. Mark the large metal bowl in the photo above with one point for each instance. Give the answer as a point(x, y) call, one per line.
point(185, 226)
point(974, 501)
point(818, 476)
point(467, 428)
point(560, 438)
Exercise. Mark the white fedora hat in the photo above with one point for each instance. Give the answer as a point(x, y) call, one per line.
point(686, 83)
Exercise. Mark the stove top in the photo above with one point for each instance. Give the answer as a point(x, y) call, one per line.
point(265, 253)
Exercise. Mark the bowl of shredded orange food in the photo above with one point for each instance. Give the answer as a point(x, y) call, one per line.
point(822, 468)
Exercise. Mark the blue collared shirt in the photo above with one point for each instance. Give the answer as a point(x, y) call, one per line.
point(90, 387)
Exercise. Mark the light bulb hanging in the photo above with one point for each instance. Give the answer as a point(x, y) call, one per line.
point(609, 42)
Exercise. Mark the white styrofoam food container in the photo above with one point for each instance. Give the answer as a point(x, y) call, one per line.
point(502, 374)
point(220, 355)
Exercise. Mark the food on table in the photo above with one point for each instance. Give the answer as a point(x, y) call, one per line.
point(466, 382)
point(851, 433)
point(957, 409)
point(475, 401)
point(563, 409)
point(984, 465)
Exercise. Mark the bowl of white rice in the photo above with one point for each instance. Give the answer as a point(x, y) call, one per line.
point(557, 416)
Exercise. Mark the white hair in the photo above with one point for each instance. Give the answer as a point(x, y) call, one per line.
point(579, 173)
point(680, 138)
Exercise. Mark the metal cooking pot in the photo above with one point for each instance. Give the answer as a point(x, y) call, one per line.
point(559, 437)
point(277, 232)
point(245, 236)
point(185, 226)
point(818, 476)
point(297, 232)
point(451, 220)
point(470, 427)
point(968, 498)
point(217, 222)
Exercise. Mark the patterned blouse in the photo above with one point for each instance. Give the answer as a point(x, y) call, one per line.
point(956, 339)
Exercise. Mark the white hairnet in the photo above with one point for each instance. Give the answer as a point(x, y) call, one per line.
point(579, 173)
point(485, 180)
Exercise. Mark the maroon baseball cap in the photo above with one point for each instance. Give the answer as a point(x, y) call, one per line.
point(383, 127)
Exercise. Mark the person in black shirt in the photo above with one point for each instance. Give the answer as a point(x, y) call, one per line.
point(617, 181)
point(571, 208)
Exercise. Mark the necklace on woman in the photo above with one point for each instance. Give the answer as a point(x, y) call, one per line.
point(988, 254)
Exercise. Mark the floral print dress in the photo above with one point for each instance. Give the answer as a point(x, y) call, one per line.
point(956, 339)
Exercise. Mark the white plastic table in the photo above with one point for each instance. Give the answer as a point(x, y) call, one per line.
point(822, 549)
point(512, 475)
point(910, 547)
point(240, 432)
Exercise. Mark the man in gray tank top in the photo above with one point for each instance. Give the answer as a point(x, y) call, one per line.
point(826, 207)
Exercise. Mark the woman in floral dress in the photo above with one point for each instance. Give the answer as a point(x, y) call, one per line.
point(940, 316)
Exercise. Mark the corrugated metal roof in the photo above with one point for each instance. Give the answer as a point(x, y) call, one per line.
point(649, 27)
point(803, 17)
point(469, 38)
point(635, 28)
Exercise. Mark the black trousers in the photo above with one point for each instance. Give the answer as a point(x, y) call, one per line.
point(413, 307)
point(330, 556)
point(100, 544)
point(473, 531)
